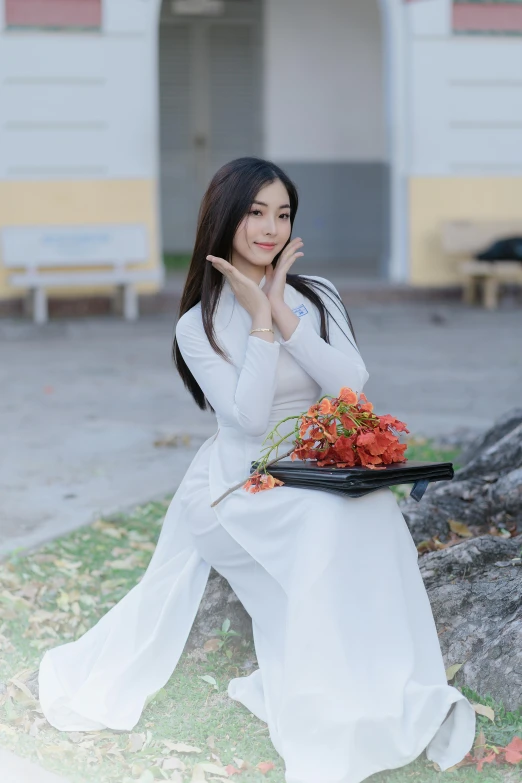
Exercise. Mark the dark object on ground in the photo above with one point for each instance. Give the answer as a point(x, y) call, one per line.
point(508, 249)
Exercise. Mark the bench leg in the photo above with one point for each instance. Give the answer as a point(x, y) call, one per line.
point(40, 312)
point(469, 291)
point(28, 303)
point(35, 305)
point(490, 293)
point(117, 301)
point(130, 303)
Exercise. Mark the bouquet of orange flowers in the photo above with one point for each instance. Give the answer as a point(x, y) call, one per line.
point(340, 431)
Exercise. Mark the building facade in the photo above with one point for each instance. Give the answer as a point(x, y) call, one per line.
point(391, 116)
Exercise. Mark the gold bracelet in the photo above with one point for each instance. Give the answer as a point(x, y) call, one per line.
point(261, 330)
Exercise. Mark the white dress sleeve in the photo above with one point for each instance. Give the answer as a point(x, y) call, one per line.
point(332, 365)
point(242, 399)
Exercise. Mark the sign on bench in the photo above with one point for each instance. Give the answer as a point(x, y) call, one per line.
point(50, 256)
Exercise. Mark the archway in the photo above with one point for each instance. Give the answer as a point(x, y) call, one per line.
point(305, 84)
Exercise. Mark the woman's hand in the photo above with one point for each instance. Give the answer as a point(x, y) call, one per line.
point(247, 292)
point(275, 282)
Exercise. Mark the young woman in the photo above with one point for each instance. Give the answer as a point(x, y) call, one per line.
point(351, 678)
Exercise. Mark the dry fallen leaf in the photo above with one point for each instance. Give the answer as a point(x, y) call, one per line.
point(14, 600)
point(481, 709)
point(452, 670)
point(242, 763)
point(460, 528)
point(513, 751)
point(23, 687)
point(109, 529)
point(231, 770)
point(173, 763)
point(129, 562)
point(6, 729)
point(135, 743)
point(216, 769)
point(265, 766)
point(198, 774)
point(173, 440)
point(181, 747)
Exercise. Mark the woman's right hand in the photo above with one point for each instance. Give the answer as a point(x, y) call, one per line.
point(248, 294)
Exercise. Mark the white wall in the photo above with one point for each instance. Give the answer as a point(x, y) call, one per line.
point(323, 81)
point(79, 106)
point(465, 96)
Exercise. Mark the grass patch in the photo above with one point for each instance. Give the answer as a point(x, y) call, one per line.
point(176, 261)
point(425, 450)
point(53, 595)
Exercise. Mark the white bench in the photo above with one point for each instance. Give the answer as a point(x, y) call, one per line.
point(53, 256)
point(465, 238)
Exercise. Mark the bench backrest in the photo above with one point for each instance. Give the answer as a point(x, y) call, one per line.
point(467, 237)
point(31, 247)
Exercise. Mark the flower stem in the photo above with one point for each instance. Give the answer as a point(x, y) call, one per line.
point(240, 484)
point(269, 449)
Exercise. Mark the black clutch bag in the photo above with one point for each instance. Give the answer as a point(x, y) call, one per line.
point(358, 481)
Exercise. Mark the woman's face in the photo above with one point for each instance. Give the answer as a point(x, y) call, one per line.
point(265, 230)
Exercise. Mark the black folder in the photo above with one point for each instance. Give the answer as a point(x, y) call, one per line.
point(359, 480)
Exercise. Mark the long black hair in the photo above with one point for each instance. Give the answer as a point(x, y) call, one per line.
point(227, 200)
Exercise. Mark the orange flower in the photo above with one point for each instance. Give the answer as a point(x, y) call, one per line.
point(304, 450)
point(390, 421)
point(326, 407)
point(331, 432)
point(375, 442)
point(344, 449)
point(260, 481)
point(342, 431)
point(368, 459)
point(347, 422)
point(395, 453)
point(348, 395)
point(366, 406)
point(305, 424)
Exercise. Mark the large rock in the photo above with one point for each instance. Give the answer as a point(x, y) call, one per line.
point(503, 426)
point(475, 591)
point(219, 602)
point(485, 493)
point(475, 586)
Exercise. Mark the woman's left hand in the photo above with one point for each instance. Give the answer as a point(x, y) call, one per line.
point(275, 282)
